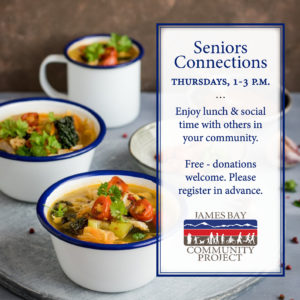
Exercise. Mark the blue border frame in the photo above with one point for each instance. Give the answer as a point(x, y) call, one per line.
point(139, 57)
point(282, 149)
point(89, 147)
point(43, 219)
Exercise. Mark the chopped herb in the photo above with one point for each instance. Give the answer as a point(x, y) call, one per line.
point(38, 151)
point(59, 209)
point(93, 51)
point(23, 151)
point(12, 128)
point(114, 192)
point(120, 42)
point(21, 128)
point(38, 139)
point(40, 145)
point(138, 236)
point(117, 207)
point(51, 117)
point(290, 186)
point(297, 203)
point(102, 190)
point(52, 144)
point(118, 210)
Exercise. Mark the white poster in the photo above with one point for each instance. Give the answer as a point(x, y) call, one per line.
point(219, 142)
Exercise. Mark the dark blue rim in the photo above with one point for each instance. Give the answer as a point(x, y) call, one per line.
point(91, 146)
point(141, 53)
point(43, 219)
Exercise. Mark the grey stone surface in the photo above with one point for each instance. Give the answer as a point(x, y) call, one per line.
point(29, 268)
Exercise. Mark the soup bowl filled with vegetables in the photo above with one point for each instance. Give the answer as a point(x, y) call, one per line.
point(103, 72)
point(43, 140)
point(103, 228)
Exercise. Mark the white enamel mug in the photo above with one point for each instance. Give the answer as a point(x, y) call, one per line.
point(112, 91)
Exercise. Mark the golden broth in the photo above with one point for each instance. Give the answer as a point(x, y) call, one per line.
point(82, 201)
point(43, 134)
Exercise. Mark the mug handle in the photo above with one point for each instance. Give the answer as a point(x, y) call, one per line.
point(46, 86)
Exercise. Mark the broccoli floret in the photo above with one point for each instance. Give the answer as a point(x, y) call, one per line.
point(67, 134)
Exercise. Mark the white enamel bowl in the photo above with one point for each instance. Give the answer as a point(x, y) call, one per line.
point(25, 178)
point(142, 147)
point(100, 267)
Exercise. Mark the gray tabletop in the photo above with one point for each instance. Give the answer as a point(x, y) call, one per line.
point(269, 288)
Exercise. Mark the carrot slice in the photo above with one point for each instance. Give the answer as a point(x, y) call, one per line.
point(95, 235)
point(52, 131)
point(77, 122)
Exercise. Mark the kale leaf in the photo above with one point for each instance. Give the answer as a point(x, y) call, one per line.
point(67, 134)
point(77, 225)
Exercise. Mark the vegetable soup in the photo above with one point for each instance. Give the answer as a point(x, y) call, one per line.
point(117, 50)
point(45, 134)
point(110, 213)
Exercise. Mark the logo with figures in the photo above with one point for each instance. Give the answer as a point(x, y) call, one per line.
point(220, 232)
